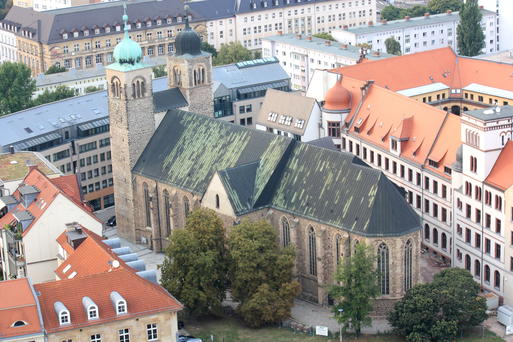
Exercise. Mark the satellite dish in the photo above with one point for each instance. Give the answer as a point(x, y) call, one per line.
point(115, 264)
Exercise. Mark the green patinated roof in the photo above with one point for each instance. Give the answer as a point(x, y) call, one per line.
point(259, 170)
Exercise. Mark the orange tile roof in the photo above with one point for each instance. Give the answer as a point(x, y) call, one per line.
point(500, 176)
point(446, 145)
point(49, 190)
point(384, 113)
point(423, 68)
point(17, 303)
point(142, 296)
point(90, 257)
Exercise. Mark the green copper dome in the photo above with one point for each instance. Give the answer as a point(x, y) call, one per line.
point(127, 51)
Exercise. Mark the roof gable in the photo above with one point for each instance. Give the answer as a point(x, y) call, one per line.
point(500, 175)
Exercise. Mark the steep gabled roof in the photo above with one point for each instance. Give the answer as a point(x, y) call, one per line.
point(260, 170)
point(502, 171)
point(142, 296)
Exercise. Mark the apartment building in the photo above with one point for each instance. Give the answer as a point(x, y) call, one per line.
point(301, 55)
point(420, 33)
point(32, 218)
point(239, 88)
point(503, 8)
point(438, 134)
point(248, 21)
point(85, 36)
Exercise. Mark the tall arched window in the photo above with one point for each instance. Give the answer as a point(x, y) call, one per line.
point(167, 208)
point(338, 248)
point(115, 87)
point(487, 273)
point(497, 280)
point(467, 262)
point(477, 268)
point(426, 232)
point(177, 75)
point(217, 201)
point(444, 241)
point(147, 200)
point(186, 206)
point(195, 74)
point(383, 269)
point(285, 231)
point(312, 252)
point(435, 236)
point(408, 263)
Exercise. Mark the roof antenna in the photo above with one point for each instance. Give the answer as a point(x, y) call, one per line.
point(186, 8)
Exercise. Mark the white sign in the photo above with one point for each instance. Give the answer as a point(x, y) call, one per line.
point(320, 330)
point(509, 330)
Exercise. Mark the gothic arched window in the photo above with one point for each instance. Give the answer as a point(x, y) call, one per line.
point(408, 263)
point(147, 204)
point(167, 208)
point(384, 269)
point(477, 268)
point(285, 231)
point(312, 252)
point(115, 87)
point(177, 76)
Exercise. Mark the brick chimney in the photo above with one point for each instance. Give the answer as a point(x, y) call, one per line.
point(309, 38)
point(371, 23)
point(384, 21)
point(449, 12)
point(280, 33)
point(345, 27)
point(327, 43)
point(407, 18)
point(298, 36)
point(426, 15)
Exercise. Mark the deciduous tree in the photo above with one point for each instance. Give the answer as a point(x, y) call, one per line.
point(195, 269)
point(442, 6)
point(159, 71)
point(232, 53)
point(324, 35)
point(393, 46)
point(469, 32)
point(358, 287)
point(261, 274)
point(209, 48)
point(60, 93)
point(55, 69)
point(16, 87)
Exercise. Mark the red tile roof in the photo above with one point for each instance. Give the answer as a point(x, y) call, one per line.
point(17, 303)
point(49, 190)
point(142, 296)
point(500, 176)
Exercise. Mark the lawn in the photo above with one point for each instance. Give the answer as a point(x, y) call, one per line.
point(232, 330)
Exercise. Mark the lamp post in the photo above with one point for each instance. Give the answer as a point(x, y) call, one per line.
point(340, 311)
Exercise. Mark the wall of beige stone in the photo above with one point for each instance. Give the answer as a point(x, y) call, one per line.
point(166, 329)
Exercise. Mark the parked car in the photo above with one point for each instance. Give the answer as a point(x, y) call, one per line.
point(183, 338)
point(111, 222)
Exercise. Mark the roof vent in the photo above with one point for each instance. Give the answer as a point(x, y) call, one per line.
point(449, 12)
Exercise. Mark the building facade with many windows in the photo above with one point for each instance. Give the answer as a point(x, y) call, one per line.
point(419, 33)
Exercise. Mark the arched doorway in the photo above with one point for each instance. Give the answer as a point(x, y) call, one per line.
point(456, 110)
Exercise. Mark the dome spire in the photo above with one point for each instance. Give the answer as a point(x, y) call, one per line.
point(125, 20)
point(187, 42)
point(127, 52)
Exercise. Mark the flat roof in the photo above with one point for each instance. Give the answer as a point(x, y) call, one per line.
point(479, 88)
point(16, 166)
point(428, 88)
point(319, 44)
point(493, 113)
point(412, 22)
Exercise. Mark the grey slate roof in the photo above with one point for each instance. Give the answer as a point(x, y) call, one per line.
point(487, 114)
point(217, 9)
point(326, 142)
point(168, 99)
point(54, 22)
point(262, 170)
point(261, 71)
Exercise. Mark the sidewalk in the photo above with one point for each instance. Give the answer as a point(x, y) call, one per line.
point(312, 315)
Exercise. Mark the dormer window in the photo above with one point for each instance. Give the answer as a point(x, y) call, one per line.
point(64, 36)
point(62, 312)
point(118, 28)
point(91, 308)
point(148, 23)
point(121, 307)
point(107, 29)
point(119, 303)
point(159, 22)
point(92, 313)
point(75, 34)
point(97, 31)
point(138, 24)
point(19, 324)
point(169, 20)
point(86, 33)
point(64, 317)
point(394, 145)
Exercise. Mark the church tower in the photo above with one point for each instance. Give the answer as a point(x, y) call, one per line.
point(190, 70)
point(132, 123)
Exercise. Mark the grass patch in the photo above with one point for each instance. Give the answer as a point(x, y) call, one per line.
point(233, 330)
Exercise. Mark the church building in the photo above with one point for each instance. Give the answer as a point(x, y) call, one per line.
point(171, 156)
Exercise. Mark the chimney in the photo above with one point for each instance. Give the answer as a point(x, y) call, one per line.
point(309, 38)
point(376, 53)
point(343, 46)
point(407, 18)
point(426, 15)
point(280, 33)
point(384, 21)
point(449, 12)
point(371, 23)
point(31, 167)
point(327, 43)
point(481, 7)
point(298, 36)
point(345, 27)
point(11, 149)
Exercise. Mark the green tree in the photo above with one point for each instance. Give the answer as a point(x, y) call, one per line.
point(232, 53)
point(469, 32)
point(442, 6)
point(358, 288)
point(60, 93)
point(92, 89)
point(324, 35)
point(54, 69)
point(437, 311)
point(415, 11)
point(159, 71)
point(209, 48)
point(391, 13)
point(393, 46)
point(196, 264)
point(261, 274)
point(16, 87)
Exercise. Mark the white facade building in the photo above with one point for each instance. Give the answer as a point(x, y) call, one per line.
point(248, 22)
point(300, 56)
point(504, 10)
point(7, 43)
point(420, 33)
